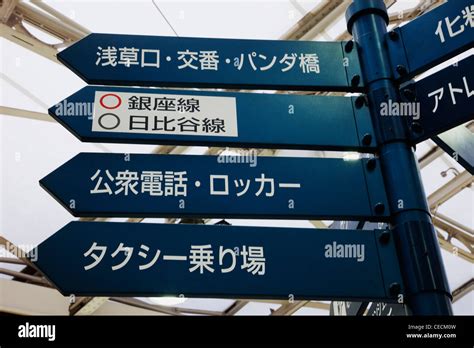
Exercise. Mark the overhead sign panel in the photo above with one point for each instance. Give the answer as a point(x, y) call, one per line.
point(193, 62)
point(432, 38)
point(143, 259)
point(151, 116)
point(445, 99)
point(144, 185)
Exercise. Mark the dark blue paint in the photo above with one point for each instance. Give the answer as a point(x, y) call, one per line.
point(447, 114)
point(295, 263)
point(423, 47)
point(81, 58)
point(329, 188)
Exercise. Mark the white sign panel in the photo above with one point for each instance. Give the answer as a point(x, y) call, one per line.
point(164, 114)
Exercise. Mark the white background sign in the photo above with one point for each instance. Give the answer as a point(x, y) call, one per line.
point(164, 114)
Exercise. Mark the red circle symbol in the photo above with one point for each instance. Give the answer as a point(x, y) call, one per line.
point(109, 106)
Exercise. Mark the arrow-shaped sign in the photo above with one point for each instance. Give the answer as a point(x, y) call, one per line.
point(132, 115)
point(445, 99)
point(143, 259)
point(143, 185)
point(432, 38)
point(136, 60)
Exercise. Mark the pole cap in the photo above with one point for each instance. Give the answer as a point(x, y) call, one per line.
point(359, 8)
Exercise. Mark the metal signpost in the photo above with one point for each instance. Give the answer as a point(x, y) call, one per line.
point(398, 264)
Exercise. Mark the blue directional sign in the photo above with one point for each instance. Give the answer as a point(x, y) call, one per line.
point(101, 259)
point(144, 185)
point(445, 99)
point(137, 115)
point(459, 144)
point(192, 62)
point(432, 38)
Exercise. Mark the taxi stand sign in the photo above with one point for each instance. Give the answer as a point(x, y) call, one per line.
point(99, 259)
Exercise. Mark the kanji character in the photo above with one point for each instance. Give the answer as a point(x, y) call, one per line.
point(222, 253)
point(175, 183)
point(107, 56)
point(128, 254)
point(128, 56)
point(289, 61)
point(144, 255)
point(450, 25)
point(216, 192)
point(309, 62)
point(240, 183)
point(209, 60)
point(468, 15)
point(107, 188)
point(127, 180)
point(438, 94)
point(152, 52)
point(439, 30)
point(166, 122)
point(180, 187)
point(188, 105)
point(188, 58)
point(188, 124)
point(253, 260)
point(262, 180)
point(139, 103)
point(165, 104)
point(201, 256)
point(216, 125)
point(97, 259)
point(151, 182)
point(138, 122)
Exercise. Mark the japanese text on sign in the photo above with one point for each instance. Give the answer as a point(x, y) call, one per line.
point(164, 114)
point(200, 258)
point(453, 27)
point(438, 94)
point(111, 56)
point(173, 183)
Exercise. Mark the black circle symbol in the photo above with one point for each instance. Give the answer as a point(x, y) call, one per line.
point(108, 114)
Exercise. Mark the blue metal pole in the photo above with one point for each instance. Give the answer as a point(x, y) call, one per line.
point(426, 287)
